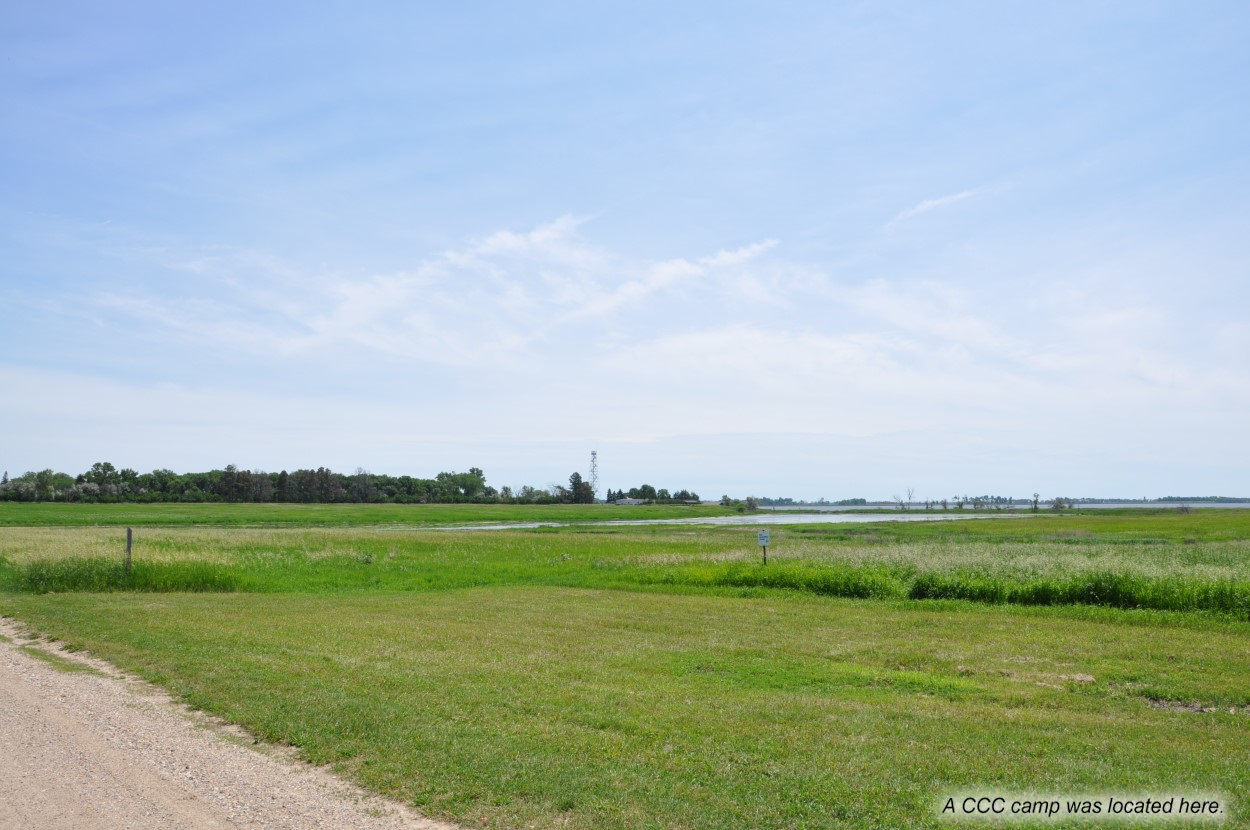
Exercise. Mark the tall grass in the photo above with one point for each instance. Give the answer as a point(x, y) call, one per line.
point(43, 576)
point(1117, 590)
point(865, 581)
point(841, 580)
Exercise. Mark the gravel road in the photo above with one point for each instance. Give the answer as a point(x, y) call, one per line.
point(96, 749)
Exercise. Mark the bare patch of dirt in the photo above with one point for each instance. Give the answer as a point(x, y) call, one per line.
point(1078, 678)
point(1189, 706)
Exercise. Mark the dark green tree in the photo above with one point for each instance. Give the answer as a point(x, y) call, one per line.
point(102, 473)
point(580, 491)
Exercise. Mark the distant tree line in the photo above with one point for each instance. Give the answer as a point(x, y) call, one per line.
point(1208, 499)
point(106, 483)
point(648, 493)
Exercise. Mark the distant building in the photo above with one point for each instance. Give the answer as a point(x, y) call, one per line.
point(630, 501)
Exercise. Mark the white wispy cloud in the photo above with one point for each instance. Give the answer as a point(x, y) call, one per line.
point(662, 275)
point(485, 303)
point(930, 205)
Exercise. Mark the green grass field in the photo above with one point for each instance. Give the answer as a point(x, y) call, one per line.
point(1196, 562)
point(61, 514)
point(610, 677)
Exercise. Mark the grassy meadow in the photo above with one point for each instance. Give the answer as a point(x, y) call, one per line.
point(661, 676)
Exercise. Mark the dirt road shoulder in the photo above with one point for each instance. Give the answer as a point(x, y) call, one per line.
point(84, 746)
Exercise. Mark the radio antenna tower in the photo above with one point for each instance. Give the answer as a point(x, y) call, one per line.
point(594, 472)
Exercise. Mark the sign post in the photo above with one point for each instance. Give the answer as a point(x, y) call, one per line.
point(764, 544)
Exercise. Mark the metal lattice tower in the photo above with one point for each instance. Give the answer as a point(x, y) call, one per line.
point(594, 472)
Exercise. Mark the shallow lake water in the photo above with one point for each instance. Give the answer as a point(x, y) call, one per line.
point(754, 519)
point(1020, 506)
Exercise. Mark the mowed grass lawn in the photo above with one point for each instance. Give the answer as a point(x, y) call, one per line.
point(553, 707)
point(656, 677)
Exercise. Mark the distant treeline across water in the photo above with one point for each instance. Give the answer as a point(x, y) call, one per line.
point(106, 483)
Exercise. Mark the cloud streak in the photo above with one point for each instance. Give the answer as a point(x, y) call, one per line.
point(930, 205)
point(488, 303)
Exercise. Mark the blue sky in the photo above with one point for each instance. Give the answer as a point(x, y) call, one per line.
point(805, 249)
